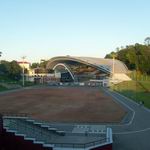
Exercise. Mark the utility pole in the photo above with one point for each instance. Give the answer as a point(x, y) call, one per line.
point(113, 67)
point(23, 59)
point(138, 54)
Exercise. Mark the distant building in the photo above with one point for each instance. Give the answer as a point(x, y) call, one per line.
point(25, 64)
point(39, 75)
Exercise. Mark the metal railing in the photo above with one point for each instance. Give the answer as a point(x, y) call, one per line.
point(79, 145)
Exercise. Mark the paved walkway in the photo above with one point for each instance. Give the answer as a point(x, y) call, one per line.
point(134, 133)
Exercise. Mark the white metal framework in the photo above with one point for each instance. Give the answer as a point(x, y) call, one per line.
point(66, 67)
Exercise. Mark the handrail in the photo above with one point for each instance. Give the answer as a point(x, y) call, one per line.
point(79, 145)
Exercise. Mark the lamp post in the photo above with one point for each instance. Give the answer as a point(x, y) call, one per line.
point(113, 67)
point(23, 58)
point(138, 54)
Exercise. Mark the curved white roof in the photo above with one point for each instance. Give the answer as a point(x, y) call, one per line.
point(107, 64)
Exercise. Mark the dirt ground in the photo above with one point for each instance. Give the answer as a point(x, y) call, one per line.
point(64, 104)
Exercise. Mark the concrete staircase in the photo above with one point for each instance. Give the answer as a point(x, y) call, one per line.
point(49, 137)
point(37, 132)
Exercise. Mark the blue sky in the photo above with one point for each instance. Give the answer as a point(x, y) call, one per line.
point(41, 29)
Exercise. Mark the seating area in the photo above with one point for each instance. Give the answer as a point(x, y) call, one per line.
point(52, 136)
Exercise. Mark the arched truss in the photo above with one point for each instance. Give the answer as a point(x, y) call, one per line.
point(99, 67)
point(66, 67)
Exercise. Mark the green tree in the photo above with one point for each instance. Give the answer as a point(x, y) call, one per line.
point(15, 70)
point(147, 41)
point(43, 64)
point(35, 65)
point(4, 68)
point(136, 57)
point(10, 69)
point(110, 55)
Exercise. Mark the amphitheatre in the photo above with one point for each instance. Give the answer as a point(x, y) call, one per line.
point(79, 112)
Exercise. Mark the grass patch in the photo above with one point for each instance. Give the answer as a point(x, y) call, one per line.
point(7, 80)
point(2, 88)
point(137, 91)
point(26, 83)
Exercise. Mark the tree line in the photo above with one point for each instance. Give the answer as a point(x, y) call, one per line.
point(136, 57)
point(42, 64)
point(10, 70)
